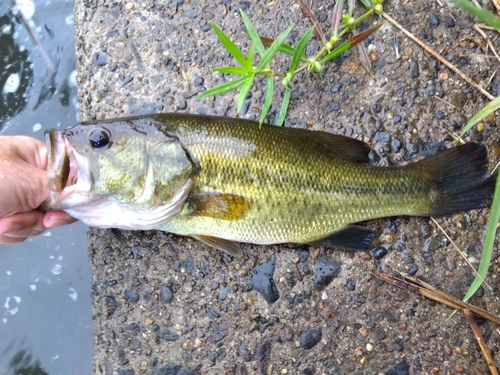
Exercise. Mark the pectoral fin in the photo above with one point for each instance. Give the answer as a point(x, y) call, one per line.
point(227, 246)
point(353, 237)
point(218, 206)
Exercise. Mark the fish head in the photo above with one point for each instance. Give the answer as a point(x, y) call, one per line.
point(112, 175)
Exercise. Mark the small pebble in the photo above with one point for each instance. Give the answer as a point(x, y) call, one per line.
point(414, 70)
point(449, 22)
point(197, 343)
point(369, 347)
point(378, 253)
point(310, 338)
point(131, 295)
point(434, 20)
point(363, 332)
point(480, 127)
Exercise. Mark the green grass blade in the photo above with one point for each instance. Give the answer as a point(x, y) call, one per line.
point(223, 88)
point(250, 56)
point(485, 16)
point(284, 48)
point(273, 50)
point(244, 91)
point(268, 99)
point(484, 262)
point(482, 113)
point(254, 36)
point(231, 70)
point(229, 45)
point(284, 107)
point(348, 44)
point(299, 49)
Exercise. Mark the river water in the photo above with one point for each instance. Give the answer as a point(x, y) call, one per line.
point(45, 305)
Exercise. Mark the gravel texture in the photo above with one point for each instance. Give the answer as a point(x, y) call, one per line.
point(164, 304)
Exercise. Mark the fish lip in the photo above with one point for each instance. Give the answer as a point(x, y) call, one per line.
point(68, 174)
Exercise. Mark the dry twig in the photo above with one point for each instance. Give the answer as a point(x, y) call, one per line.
point(469, 316)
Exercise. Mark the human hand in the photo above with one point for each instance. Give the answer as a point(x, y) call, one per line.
point(23, 188)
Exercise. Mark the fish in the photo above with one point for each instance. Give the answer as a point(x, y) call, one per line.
point(226, 181)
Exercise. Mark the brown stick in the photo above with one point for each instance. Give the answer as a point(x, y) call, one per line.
point(418, 286)
point(469, 316)
point(438, 56)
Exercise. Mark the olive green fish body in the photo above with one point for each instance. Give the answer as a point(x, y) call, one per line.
point(273, 185)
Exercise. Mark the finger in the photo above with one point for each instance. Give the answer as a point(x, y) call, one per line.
point(22, 224)
point(31, 150)
point(54, 219)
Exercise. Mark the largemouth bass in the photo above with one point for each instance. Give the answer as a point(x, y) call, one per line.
point(224, 181)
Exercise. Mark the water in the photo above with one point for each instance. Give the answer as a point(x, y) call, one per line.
point(45, 305)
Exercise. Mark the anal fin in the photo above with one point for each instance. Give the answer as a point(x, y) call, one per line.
point(227, 246)
point(352, 237)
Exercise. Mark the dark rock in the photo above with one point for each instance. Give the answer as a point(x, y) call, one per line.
point(174, 369)
point(169, 336)
point(262, 281)
point(189, 265)
point(166, 294)
point(99, 58)
point(378, 253)
point(198, 81)
point(414, 71)
point(376, 107)
point(351, 285)
point(212, 313)
point(191, 13)
point(400, 93)
point(131, 295)
point(336, 87)
point(303, 253)
point(219, 333)
point(449, 22)
point(110, 305)
point(325, 270)
point(133, 328)
point(413, 270)
point(126, 372)
point(333, 107)
point(434, 20)
point(263, 354)
point(224, 293)
point(310, 338)
point(413, 148)
point(352, 80)
point(396, 145)
point(402, 368)
point(440, 115)
point(431, 245)
point(382, 137)
point(244, 353)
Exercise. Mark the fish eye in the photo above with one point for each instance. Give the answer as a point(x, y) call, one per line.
point(99, 138)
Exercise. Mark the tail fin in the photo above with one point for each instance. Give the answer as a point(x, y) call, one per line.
point(462, 179)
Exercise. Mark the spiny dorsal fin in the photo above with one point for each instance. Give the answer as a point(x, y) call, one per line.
point(227, 246)
point(352, 237)
point(219, 206)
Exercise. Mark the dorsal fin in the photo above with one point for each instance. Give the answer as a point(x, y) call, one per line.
point(349, 149)
point(218, 205)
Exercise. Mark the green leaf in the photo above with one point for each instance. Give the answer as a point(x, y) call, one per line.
point(348, 44)
point(284, 107)
point(482, 113)
point(485, 16)
point(250, 56)
point(252, 33)
point(230, 46)
point(299, 49)
point(244, 91)
point(484, 262)
point(273, 50)
point(284, 48)
point(223, 88)
point(268, 99)
point(231, 70)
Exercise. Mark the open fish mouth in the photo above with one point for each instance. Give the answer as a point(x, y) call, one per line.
point(67, 172)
